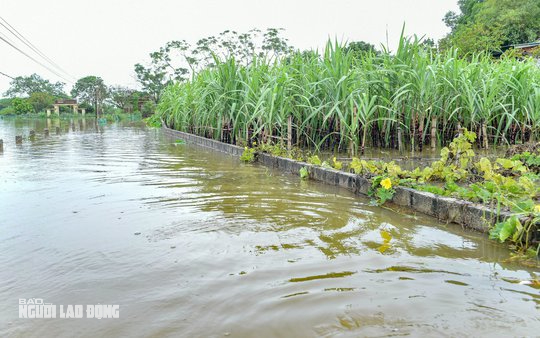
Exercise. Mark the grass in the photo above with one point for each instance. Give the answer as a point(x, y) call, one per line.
point(415, 97)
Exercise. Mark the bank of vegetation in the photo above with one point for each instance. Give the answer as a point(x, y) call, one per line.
point(346, 102)
point(414, 98)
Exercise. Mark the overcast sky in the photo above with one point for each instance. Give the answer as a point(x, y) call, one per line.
point(107, 37)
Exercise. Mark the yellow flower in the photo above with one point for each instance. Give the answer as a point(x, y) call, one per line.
point(386, 183)
point(537, 208)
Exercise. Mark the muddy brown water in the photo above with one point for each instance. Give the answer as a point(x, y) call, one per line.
point(192, 243)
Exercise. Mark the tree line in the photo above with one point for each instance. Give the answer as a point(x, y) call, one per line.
point(35, 94)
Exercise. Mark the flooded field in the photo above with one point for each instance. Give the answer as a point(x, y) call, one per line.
point(194, 243)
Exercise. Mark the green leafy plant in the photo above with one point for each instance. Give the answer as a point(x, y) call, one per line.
point(381, 190)
point(315, 160)
point(153, 121)
point(336, 164)
point(304, 174)
point(248, 155)
point(530, 160)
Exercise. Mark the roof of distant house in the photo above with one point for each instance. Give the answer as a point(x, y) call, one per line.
point(526, 45)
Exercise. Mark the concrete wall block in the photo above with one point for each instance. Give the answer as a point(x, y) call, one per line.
point(347, 181)
point(331, 177)
point(319, 174)
point(283, 164)
point(403, 196)
point(424, 202)
point(450, 209)
point(477, 217)
point(363, 185)
point(288, 165)
point(296, 166)
point(262, 158)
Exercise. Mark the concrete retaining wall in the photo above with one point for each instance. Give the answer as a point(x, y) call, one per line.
point(467, 214)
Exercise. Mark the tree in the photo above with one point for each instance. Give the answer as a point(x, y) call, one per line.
point(178, 60)
point(159, 73)
point(90, 90)
point(468, 9)
point(4, 103)
point(21, 106)
point(488, 25)
point(360, 47)
point(121, 97)
point(27, 85)
point(40, 101)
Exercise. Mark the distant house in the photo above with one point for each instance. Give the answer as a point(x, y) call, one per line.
point(526, 48)
point(66, 102)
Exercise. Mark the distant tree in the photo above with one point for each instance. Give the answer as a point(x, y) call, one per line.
point(177, 60)
point(274, 44)
point(429, 43)
point(161, 71)
point(148, 108)
point(488, 25)
point(21, 106)
point(359, 47)
point(40, 101)
point(242, 46)
point(468, 9)
point(121, 97)
point(27, 85)
point(5, 102)
point(91, 90)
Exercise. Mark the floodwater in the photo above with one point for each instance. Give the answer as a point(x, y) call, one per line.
point(193, 243)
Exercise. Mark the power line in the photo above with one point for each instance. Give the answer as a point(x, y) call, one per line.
point(36, 61)
point(11, 77)
point(29, 44)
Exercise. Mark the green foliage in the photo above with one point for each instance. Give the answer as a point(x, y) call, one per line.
point(273, 149)
point(148, 108)
point(504, 230)
point(357, 48)
point(40, 101)
point(28, 85)
point(490, 24)
point(177, 60)
point(21, 106)
point(8, 111)
point(124, 98)
point(248, 155)
point(304, 174)
point(381, 189)
point(432, 189)
point(153, 121)
point(4, 103)
point(531, 161)
point(455, 160)
point(336, 164)
point(91, 90)
point(315, 160)
point(502, 183)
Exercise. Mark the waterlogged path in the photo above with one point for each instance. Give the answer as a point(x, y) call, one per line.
point(193, 243)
